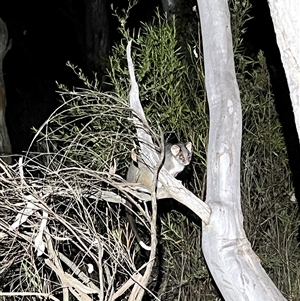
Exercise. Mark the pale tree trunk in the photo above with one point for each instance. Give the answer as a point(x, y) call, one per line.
point(285, 16)
point(5, 147)
point(233, 264)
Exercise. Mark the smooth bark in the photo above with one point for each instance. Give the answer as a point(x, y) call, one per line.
point(233, 264)
point(285, 16)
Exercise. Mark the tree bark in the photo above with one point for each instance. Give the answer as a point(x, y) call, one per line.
point(97, 35)
point(285, 16)
point(233, 264)
point(5, 147)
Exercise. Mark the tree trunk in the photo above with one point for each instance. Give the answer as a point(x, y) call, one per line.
point(97, 36)
point(285, 16)
point(233, 264)
point(5, 147)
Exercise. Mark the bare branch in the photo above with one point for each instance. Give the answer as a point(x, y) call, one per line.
point(175, 189)
point(172, 186)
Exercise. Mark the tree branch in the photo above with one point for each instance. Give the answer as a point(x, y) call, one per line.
point(174, 187)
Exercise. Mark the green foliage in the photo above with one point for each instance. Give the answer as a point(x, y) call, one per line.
point(271, 218)
point(184, 266)
point(171, 83)
point(240, 15)
point(171, 86)
point(91, 130)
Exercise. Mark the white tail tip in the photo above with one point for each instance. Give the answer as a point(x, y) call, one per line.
point(144, 246)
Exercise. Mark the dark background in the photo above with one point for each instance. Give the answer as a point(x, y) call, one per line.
point(45, 36)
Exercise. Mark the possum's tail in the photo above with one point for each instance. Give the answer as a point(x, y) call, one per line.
point(133, 226)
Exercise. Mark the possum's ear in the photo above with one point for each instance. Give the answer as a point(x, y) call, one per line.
point(189, 146)
point(175, 149)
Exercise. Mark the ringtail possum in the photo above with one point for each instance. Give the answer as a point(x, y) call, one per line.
point(177, 157)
